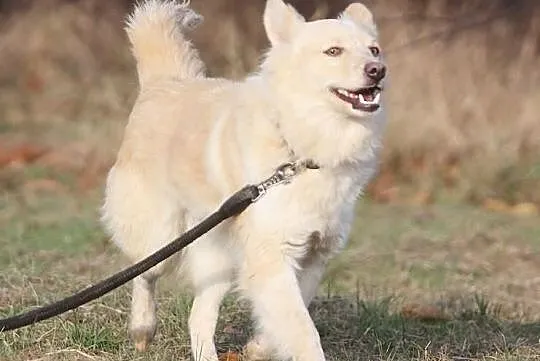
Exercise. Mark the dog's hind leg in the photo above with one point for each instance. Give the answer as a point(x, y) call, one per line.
point(143, 322)
point(141, 218)
point(210, 265)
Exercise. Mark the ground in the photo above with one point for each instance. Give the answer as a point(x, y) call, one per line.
point(445, 281)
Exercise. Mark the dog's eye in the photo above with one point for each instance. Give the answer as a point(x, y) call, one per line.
point(375, 51)
point(334, 51)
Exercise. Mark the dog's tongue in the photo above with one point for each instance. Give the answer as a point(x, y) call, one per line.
point(369, 97)
point(357, 104)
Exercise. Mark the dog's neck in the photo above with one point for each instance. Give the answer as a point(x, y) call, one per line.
point(290, 150)
point(331, 141)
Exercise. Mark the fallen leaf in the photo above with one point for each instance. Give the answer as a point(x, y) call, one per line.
point(525, 209)
point(34, 82)
point(21, 154)
point(496, 205)
point(423, 312)
point(229, 356)
point(383, 188)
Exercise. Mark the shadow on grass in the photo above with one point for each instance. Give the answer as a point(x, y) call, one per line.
point(358, 330)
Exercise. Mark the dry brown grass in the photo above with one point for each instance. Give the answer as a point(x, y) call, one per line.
point(468, 98)
point(463, 97)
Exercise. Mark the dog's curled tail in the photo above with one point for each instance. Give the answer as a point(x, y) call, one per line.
point(156, 29)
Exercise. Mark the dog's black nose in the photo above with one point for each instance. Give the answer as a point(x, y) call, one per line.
point(375, 70)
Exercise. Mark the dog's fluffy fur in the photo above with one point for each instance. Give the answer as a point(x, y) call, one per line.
point(192, 141)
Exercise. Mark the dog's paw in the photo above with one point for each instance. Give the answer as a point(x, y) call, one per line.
point(257, 350)
point(142, 338)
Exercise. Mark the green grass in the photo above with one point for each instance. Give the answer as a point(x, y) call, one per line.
point(479, 270)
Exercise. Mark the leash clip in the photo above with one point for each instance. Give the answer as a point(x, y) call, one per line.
point(282, 175)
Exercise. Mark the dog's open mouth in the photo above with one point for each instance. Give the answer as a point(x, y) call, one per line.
point(366, 99)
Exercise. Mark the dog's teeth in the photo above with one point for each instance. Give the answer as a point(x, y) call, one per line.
point(366, 102)
point(363, 100)
point(359, 97)
point(376, 99)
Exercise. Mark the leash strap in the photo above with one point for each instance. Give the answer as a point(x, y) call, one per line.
point(233, 206)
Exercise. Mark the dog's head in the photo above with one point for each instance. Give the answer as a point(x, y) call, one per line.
point(337, 61)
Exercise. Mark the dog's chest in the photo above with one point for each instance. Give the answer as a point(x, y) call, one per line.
point(314, 212)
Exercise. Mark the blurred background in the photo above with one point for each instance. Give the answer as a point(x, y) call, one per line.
point(463, 104)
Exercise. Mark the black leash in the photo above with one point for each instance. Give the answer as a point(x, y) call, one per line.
point(236, 204)
point(233, 206)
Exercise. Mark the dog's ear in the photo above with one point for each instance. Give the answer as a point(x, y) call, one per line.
point(280, 21)
point(359, 14)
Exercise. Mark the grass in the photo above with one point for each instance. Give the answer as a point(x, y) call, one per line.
point(443, 282)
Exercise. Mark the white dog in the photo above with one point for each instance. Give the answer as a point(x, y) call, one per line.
point(192, 141)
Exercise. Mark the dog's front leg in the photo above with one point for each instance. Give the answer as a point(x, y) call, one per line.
point(309, 277)
point(270, 282)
